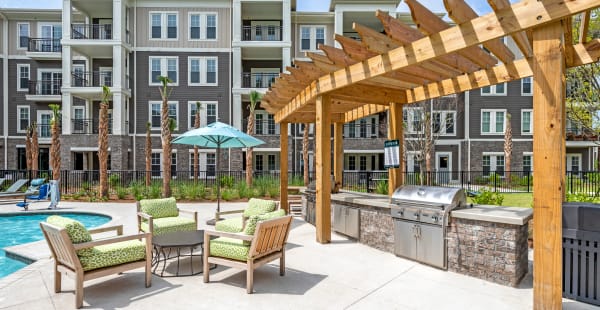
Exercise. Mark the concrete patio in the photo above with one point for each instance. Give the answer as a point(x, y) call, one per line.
point(340, 275)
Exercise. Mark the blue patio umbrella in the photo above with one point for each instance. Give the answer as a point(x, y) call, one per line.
point(218, 135)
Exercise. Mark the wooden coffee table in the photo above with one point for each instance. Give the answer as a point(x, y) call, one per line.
point(177, 241)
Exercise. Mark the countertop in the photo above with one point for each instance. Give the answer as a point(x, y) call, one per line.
point(496, 214)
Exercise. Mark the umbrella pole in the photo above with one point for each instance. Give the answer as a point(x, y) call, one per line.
point(218, 179)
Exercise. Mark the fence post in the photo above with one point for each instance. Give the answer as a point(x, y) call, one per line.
point(495, 183)
point(528, 174)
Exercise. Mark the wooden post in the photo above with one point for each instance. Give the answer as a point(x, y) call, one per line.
point(323, 168)
point(283, 166)
point(395, 132)
point(549, 164)
point(338, 152)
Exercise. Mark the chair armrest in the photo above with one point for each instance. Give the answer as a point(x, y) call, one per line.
point(117, 228)
point(194, 214)
point(149, 218)
point(144, 216)
point(218, 214)
point(239, 236)
point(91, 244)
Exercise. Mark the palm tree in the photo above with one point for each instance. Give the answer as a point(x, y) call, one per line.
point(103, 141)
point(196, 157)
point(254, 98)
point(148, 152)
point(28, 150)
point(165, 134)
point(305, 153)
point(35, 149)
point(55, 146)
point(508, 147)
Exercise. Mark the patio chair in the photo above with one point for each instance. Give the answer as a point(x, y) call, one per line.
point(237, 224)
point(2, 181)
point(42, 194)
point(160, 216)
point(75, 254)
point(261, 242)
point(15, 187)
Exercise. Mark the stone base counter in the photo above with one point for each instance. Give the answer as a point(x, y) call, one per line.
point(486, 242)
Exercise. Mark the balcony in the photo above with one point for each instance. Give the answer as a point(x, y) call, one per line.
point(258, 80)
point(88, 126)
point(91, 79)
point(91, 31)
point(44, 91)
point(43, 48)
point(262, 33)
point(263, 127)
point(581, 134)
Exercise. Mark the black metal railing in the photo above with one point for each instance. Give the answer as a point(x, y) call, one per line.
point(88, 126)
point(363, 130)
point(45, 87)
point(263, 127)
point(91, 79)
point(91, 31)
point(258, 80)
point(262, 33)
point(44, 45)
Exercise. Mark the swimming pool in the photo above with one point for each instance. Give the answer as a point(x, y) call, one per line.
point(19, 229)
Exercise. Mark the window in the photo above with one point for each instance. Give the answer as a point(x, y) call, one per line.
point(203, 26)
point(23, 35)
point(155, 113)
point(526, 122)
point(23, 77)
point(173, 165)
point(23, 118)
point(163, 25)
point(493, 163)
point(351, 129)
point(351, 162)
point(259, 162)
point(211, 164)
point(413, 120)
point(265, 123)
point(494, 90)
point(363, 163)
point(208, 113)
point(364, 128)
point(258, 125)
point(164, 66)
point(442, 122)
point(527, 163)
point(202, 71)
point(311, 37)
point(271, 162)
point(492, 121)
point(155, 164)
point(211, 113)
point(527, 86)
point(573, 163)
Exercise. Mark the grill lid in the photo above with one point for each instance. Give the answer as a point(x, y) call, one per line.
point(430, 195)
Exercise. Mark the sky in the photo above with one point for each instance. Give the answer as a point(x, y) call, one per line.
point(479, 6)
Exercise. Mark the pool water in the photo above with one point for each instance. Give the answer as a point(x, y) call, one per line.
point(19, 229)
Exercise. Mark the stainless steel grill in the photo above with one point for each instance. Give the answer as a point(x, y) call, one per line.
point(420, 216)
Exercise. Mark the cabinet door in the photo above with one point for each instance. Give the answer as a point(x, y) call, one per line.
point(352, 222)
point(339, 218)
point(431, 246)
point(405, 242)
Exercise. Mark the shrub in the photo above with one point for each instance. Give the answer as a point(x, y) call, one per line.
point(486, 197)
point(155, 191)
point(121, 192)
point(297, 181)
point(243, 190)
point(113, 180)
point(273, 191)
point(85, 185)
point(382, 187)
point(229, 194)
point(580, 197)
point(227, 181)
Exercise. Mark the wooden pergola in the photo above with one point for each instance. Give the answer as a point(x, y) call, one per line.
point(404, 65)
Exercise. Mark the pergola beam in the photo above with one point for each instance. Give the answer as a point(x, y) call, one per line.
point(520, 37)
point(583, 28)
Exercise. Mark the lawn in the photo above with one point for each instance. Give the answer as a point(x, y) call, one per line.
point(523, 200)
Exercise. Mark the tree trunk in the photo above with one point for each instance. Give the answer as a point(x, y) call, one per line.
point(103, 148)
point(55, 150)
point(165, 135)
point(508, 148)
point(35, 151)
point(28, 149)
point(148, 154)
point(305, 154)
point(249, 157)
point(196, 155)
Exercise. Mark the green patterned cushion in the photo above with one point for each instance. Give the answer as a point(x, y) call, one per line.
point(170, 224)
point(253, 220)
point(259, 206)
point(113, 254)
point(229, 248)
point(233, 225)
point(159, 208)
point(76, 231)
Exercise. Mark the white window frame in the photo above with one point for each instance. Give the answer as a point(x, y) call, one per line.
point(312, 37)
point(409, 112)
point(203, 25)
point(150, 103)
point(493, 113)
point(579, 158)
point(530, 111)
point(203, 70)
point(163, 25)
point(265, 125)
point(164, 69)
point(39, 120)
point(19, 66)
point(203, 112)
point(530, 154)
point(494, 163)
point(443, 125)
point(19, 107)
point(160, 154)
point(19, 35)
point(531, 87)
point(410, 161)
point(493, 90)
point(202, 163)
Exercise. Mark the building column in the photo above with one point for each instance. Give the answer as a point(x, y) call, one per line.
point(287, 21)
point(237, 67)
point(118, 19)
point(237, 20)
point(339, 25)
point(283, 166)
point(338, 152)
point(395, 132)
point(119, 114)
point(66, 20)
point(323, 168)
point(118, 66)
point(286, 58)
point(66, 109)
point(237, 111)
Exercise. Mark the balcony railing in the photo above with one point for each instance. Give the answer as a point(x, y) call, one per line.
point(581, 134)
point(263, 127)
point(261, 33)
point(44, 45)
point(88, 126)
point(91, 31)
point(91, 79)
point(45, 87)
point(258, 80)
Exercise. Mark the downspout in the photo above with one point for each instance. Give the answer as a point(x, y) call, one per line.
point(5, 87)
point(230, 74)
point(134, 83)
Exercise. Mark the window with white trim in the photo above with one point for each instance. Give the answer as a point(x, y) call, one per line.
point(258, 162)
point(271, 163)
point(493, 163)
point(163, 25)
point(494, 90)
point(203, 26)
point(362, 163)
point(24, 117)
point(311, 37)
point(202, 71)
point(351, 162)
point(208, 113)
point(155, 113)
point(527, 86)
point(22, 35)
point(156, 164)
point(573, 163)
point(413, 120)
point(163, 66)
point(264, 123)
point(23, 77)
point(443, 122)
point(493, 121)
point(366, 127)
point(526, 122)
point(206, 164)
point(527, 162)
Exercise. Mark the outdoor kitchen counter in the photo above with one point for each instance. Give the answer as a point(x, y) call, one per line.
point(495, 214)
point(362, 199)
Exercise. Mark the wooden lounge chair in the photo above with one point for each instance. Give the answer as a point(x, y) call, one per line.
point(244, 251)
point(161, 216)
point(237, 224)
point(76, 255)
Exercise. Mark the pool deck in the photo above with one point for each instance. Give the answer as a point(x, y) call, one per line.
point(340, 275)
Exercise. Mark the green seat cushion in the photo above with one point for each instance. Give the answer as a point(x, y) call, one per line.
point(159, 208)
point(259, 206)
point(233, 225)
point(229, 248)
point(76, 231)
point(253, 220)
point(170, 224)
point(113, 254)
